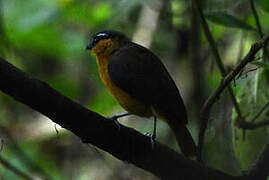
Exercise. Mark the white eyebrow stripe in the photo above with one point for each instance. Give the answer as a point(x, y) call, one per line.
point(101, 34)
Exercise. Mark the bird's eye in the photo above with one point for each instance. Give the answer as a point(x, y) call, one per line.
point(98, 37)
point(96, 40)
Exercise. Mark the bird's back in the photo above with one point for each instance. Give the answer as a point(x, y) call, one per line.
point(140, 73)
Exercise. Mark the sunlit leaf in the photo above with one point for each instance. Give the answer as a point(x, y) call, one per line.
point(227, 20)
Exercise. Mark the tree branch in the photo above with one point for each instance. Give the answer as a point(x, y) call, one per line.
point(258, 24)
point(204, 121)
point(225, 83)
point(205, 113)
point(227, 80)
point(260, 112)
point(256, 17)
point(125, 144)
point(251, 124)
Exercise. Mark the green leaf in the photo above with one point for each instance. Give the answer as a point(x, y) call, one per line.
point(261, 64)
point(227, 20)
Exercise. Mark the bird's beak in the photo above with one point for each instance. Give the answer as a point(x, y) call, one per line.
point(89, 46)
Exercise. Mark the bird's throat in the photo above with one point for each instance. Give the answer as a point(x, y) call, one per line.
point(103, 48)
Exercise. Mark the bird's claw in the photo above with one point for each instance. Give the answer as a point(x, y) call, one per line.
point(114, 118)
point(152, 139)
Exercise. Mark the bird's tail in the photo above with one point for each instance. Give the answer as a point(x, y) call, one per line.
point(184, 140)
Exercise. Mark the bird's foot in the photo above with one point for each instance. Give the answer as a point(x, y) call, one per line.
point(115, 118)
point(152, 139)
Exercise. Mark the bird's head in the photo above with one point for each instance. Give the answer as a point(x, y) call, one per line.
point(107, 41)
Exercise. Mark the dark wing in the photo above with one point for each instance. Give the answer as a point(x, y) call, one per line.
point(141, 74)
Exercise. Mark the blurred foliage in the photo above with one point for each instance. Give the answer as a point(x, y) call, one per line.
point(263, 4)
point(47, 39)
point(227, 20)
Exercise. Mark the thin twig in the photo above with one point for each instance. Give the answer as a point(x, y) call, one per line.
point(256, 17)
point(209, 37)
point(14, 169)
point(227, 80)
point(245, 73)
point(260, 112)
point(245, 125)
point(204, 121)
point(251, 126)
point(258, 24)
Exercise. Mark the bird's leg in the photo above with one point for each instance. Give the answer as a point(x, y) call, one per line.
point(154, 128)
point(117, 116)
point(153, 136)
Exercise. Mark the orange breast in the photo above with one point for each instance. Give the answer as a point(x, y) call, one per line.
point(129, 103)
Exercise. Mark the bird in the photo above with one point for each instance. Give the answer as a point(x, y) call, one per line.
point(141, 84)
